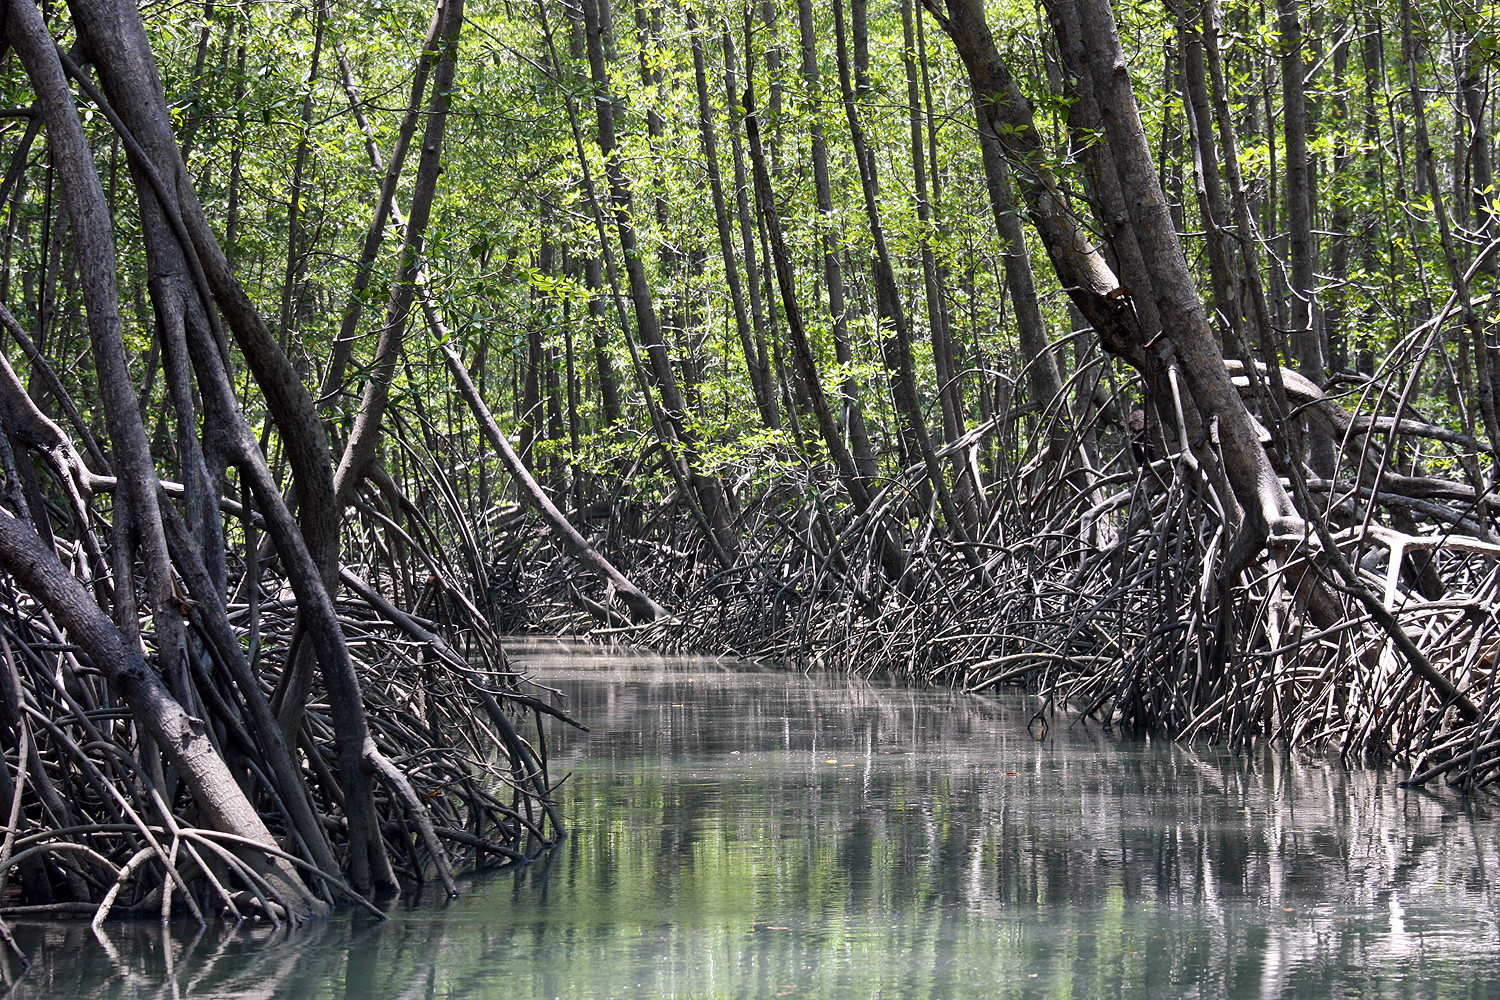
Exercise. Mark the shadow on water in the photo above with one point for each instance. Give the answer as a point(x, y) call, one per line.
point(743, 832)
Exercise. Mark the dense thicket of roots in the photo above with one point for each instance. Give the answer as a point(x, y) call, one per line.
point(96, 825)
point(1104, 593)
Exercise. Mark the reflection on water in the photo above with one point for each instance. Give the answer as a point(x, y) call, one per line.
point(747, 833)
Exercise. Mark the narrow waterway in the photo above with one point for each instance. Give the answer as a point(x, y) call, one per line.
point(746, 832)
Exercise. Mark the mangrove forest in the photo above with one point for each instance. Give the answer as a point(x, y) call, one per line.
point(1140, 357)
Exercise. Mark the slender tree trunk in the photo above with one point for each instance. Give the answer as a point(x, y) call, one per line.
point(807, 366)
point(194, 119)
point(760, 386)
point(1428, 169)
point(531, 367)
point(117, 41)
point(286, 316)
point(937, 333)
point(83, 200)
point(833, 275)
point(897, 348)
point(35, 566)
point(641, 607)
point(708, 492)
point(232, 210)
point(1213, 209)
point(1476, 101)
point(748, 231)
point(859, 12)
point(1476, 98)
point(1170, 173)
point(1307, 347)
point(343, 345)
point(1335, 304)
point(950, 398)
point(364, 438)
point(1041, 366)
point(770, 16)
point(672, 319)
point(604, 366)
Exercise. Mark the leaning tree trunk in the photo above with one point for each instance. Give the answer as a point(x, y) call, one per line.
point(641, 606)
point(83, 198)
point(1041, 366)
point(181, 242)
point(120, 51)
point(181, 737)
point(177, 735)
point(748, 230)
point(1489, 405)
point(807, 366)
point(385, 199)
point(1090, 283)
point(359, 453)
point(1265, 505)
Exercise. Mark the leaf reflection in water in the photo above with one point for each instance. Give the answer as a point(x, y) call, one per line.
point(733, 855)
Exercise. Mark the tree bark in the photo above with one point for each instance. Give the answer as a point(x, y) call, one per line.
point(1483, 370)
point(36, 568)
point(1089, 281)
point(180, 241)
point(94, 248)
point(1041, 364)
point(118, 46)
point(295, 258)
point(181, 737)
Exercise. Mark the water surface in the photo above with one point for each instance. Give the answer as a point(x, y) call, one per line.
point(744, 832)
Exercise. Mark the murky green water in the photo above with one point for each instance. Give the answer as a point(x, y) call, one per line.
point(748, 833)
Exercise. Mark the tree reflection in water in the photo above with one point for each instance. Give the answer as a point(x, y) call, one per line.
point(745, 832)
